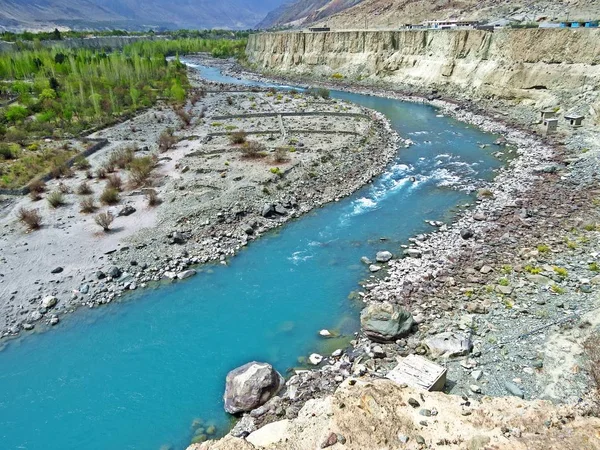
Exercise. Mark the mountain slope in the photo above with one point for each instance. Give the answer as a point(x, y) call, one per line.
point(348, 14)
point(133, 14)
point(304, 11)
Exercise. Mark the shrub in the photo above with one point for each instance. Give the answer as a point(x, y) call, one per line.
point(60, 170)
point(36, 187)
point(543, 248)
point(184, 116)
point(253, 149)
point(56, 199)
point(533, 270)
point(81, 163)
point(16, 113)
point(6, 152)
point(594, 267)
point(140, 170)
point(152, 197)
point(239, 137)
point(84, 189)
point(104, 219)
point(276, 171)
point(89, 174)
point(166, 140)
point(120, 158)
point(557, 289)
point(101, 173)
point(281, 155)
point(503, 282)
point(114, 182)
point(561, 272)
point(30, 217)
point(62, 187)
point(109, 196)
point(229, 101)
point(87, 204)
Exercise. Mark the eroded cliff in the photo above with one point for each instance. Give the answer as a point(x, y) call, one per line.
point(542, 67)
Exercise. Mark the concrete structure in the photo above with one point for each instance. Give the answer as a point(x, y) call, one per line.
point(548, 114)
point(319, 29)
point(449, 24)
point(574, 119)
point(418, 372)
point(579, 24)
point(550, 125)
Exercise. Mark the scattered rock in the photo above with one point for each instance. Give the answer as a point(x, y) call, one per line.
point(383, 256)
point(57, 270)
point(384, 322)
point(513, 389)
point(315, 359)
point(127, 210)
point(466, 233)
point(49, 302)
point(449, 344)
point(186, 274)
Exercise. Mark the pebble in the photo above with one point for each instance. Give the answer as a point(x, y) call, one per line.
point(474, 388)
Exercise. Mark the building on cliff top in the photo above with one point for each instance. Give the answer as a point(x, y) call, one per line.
point(449, 24)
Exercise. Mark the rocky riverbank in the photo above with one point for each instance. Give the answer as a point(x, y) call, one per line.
point(504, 298)
point(213, 196)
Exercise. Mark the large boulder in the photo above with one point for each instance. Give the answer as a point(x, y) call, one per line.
point(384, 322)
point(250, 386)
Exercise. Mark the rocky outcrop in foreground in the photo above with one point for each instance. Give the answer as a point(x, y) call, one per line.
point(381, 414)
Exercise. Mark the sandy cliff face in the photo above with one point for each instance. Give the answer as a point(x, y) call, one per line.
point(540, 66)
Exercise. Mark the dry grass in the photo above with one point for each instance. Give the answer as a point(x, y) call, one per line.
point(120, 158)
point(30, 217)
point(152, 198)
point(104, 219)
point(56, 199)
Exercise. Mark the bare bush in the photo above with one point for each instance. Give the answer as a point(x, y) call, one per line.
point(62, 187)
point(89, 174)
point(114, 182)
point(87, 205)
point(36, 187)
point(101, 173)
point(30, 217)
point(253, 149)
point(229, 101)
point(592, 352)
point(104, 219)
point(152, 197)
point(110, 196)
point(120, 158)
point(84, 189)
point(56, 199)
point(184, 116)
point(281, 155)
point(167, 140)
point(238, 137)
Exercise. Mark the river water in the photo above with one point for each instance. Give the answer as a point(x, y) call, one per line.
point(135, 375)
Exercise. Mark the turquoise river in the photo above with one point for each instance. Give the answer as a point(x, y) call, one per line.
point(135, 375)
